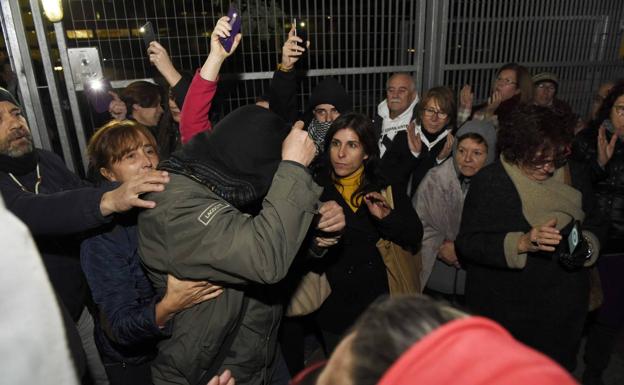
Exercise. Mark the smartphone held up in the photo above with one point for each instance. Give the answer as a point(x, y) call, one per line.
point(147, 31)
point(235, 24)
point(301, 31)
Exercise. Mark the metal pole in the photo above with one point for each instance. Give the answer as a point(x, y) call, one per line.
point(19, 52)
point(71, 92)
point(55, 98)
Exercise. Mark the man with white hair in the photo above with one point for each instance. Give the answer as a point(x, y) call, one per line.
point(398, 109)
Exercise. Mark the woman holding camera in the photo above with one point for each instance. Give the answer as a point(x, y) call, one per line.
point(525, 267)
point(355, 269)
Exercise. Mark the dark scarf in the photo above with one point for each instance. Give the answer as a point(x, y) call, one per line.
point(21, 165)
point(317, 131)
point(237, 159)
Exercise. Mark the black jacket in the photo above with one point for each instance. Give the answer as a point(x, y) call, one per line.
point(398, 164)
point(355, 269)
point(608, 183)
point(56, 217)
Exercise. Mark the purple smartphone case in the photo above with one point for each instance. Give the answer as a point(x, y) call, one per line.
point(235, 23)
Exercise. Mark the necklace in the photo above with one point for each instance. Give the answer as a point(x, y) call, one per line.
point(22, 186)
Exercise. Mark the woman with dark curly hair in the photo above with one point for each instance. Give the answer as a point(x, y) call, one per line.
point(529, 229)
point(601, 145)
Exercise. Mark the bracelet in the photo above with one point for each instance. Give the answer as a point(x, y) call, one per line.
point(281, 68)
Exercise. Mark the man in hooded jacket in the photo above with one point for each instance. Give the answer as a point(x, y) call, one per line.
point(203, 228)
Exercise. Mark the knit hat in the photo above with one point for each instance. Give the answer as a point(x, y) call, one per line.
point(473, 351)
point(238, 158)
point(546, 77)
point(483, 128)
point(6, 96)
point(330, 91)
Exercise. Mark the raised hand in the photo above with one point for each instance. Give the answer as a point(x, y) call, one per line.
point(298, 146)
point(159, 57)
point(218, 54)
point(466, 97)
point(413, 138)
point(291, 51)
point(494, 102)
point(117, 108)
point(605, 149)
point(448, 147)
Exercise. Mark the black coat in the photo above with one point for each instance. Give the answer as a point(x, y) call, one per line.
point(355, 269)
point(64, 207)
point(398, 164)
point(608, 183)
point(542, 304)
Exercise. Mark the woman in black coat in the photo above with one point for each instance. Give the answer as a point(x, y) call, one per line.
point(355, 269)
point(601, 146)
point(514, 238)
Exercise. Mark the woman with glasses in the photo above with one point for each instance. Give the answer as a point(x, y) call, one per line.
point(601, 145)
point(426, 143)
point(512, 86)
point(529, 229)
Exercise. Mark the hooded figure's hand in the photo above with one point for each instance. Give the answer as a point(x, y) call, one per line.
point(298, 146)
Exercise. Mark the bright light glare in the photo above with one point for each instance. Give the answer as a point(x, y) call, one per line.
point(142, 30)
point(97, 85)
point(53, 10)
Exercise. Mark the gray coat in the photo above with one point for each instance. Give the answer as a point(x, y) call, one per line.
point(439, 202)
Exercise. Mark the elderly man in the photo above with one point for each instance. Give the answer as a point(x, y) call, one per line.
point(397, 110)
point(57, 207)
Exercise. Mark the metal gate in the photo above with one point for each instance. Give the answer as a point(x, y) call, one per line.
point(441, 42)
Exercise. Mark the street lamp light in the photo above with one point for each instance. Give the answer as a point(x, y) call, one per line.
point(53, 10)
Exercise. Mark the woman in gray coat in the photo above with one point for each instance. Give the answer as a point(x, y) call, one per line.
point(439, 201)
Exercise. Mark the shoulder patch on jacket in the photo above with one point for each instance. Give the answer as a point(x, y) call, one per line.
point(207, 215)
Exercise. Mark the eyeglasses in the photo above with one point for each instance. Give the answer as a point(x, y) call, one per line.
point(556, 163)
point(619, 110)
point(547, 87)
point(323, 112)
point(430, 112)
point(505, 81)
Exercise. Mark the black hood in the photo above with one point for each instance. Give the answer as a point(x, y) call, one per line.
point(238, 158)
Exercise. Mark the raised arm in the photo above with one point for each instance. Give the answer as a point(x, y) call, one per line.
point(283, 92)
point(195, 118)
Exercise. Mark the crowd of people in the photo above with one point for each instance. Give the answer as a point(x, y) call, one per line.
point(175, 262)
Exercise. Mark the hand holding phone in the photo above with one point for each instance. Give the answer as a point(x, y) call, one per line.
point(235, 24)
point(147, 31)
point(301, 31)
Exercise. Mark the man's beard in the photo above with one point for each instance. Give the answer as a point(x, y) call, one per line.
point(13, 150)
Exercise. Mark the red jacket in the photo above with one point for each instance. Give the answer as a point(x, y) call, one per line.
point(194, 118)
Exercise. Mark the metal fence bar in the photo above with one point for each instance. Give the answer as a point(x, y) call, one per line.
point(55, 98)
point(71, 93)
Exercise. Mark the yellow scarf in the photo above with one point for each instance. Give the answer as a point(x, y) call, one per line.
point(347, 186)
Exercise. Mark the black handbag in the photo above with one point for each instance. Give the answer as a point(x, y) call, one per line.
point(573, 250)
